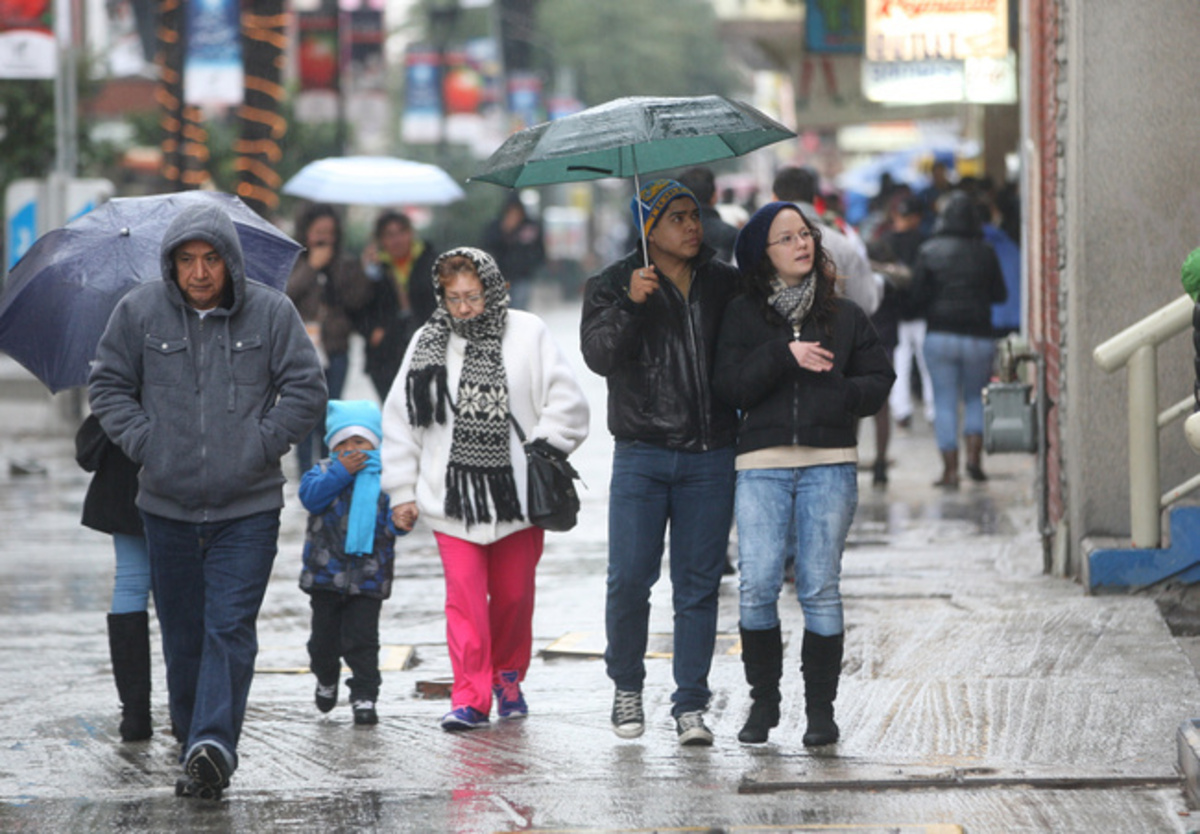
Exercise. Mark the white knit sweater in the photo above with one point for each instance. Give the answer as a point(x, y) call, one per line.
point(543, 396)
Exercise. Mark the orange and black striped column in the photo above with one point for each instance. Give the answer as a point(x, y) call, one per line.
point(264, 41)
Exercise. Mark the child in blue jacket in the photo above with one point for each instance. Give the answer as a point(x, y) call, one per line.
point(348, 556)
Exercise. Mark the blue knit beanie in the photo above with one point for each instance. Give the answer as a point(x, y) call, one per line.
point(655, 197)
point(353, 418)
point(751, 245)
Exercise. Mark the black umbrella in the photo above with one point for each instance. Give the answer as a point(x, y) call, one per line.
point(59, 296)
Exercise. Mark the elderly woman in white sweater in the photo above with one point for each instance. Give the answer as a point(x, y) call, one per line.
point(451, 455)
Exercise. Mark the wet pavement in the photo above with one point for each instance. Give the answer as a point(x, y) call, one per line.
point(978, 695)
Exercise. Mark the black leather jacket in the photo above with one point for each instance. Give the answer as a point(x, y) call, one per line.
point(957, 277)
point(658, 356)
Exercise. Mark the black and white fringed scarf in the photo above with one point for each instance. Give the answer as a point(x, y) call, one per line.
point(480, 460)
point(793, 303)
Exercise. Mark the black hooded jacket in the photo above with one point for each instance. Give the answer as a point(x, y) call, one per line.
point(658, 356)
point(957, 277)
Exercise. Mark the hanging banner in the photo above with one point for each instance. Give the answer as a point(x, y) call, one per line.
point(318, 50)
point(525, 100)
point(422, 118)
point(834, 26)
point(367, 70)
point(27, 47)
point(212, 67)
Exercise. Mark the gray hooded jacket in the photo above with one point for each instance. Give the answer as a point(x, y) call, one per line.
point(207, 406)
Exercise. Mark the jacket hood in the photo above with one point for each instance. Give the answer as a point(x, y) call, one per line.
point(212, 225)
point(958, 218)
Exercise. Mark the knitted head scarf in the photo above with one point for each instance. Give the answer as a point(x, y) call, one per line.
point(793, 303)
point(480, 462)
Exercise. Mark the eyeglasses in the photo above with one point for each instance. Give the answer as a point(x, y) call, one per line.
point(473, 300)
point(789, 240)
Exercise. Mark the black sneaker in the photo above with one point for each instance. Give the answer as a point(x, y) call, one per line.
point(327, 696)
point(628, 719)
point(189, 788)
point(364, 712)
point(206, 764)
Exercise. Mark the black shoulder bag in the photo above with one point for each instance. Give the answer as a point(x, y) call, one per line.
point(551, 499)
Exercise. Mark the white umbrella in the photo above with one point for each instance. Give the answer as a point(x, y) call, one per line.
point(373, 181)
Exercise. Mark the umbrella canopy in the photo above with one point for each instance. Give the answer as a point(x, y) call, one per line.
point(59, 296)
point(630, 136)
point(373, 181)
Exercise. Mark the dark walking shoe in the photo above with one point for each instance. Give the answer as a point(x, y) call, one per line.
point(628, 720)
point(206, 764)
point(692, 732)
point(327, 696)
point(189, 788)
point(510, 702)
point(364, 713)
point(464, 718)
point(976, 473)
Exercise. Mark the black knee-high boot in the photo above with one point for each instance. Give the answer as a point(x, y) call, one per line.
point(762, 659)
point(129, 647)
point(821, 666)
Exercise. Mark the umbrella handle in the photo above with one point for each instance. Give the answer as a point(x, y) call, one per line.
point(637, 198)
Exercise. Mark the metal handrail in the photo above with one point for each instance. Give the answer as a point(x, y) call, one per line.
point(1135, 348)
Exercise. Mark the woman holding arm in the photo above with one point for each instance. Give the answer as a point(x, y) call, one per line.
point(802, 366)
point(451, 455)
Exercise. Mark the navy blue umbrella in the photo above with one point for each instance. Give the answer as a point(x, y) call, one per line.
point(59, 296)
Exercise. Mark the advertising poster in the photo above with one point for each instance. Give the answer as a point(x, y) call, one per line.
point(27, 48)
point(834, 26)
point(212, 66)
point(525, 100)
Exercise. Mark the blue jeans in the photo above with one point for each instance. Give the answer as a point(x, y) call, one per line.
point(960, 367)
point(209, 582)
point(804, 513)
point(650, 486)
point(131, 587)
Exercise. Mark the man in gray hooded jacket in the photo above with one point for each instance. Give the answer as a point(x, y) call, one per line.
point(205, 379)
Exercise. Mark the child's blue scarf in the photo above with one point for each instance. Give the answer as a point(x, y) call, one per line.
point(364, 507)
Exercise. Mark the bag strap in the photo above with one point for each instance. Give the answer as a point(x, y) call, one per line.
point(517, 426)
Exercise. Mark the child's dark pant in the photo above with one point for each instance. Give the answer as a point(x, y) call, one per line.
point(346, 627)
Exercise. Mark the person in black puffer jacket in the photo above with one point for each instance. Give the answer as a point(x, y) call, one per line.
point(956, 280)
point(802, 365)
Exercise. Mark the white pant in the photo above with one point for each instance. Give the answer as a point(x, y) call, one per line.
point(911, 335)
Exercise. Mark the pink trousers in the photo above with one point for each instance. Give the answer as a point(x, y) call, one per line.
point(489, 611)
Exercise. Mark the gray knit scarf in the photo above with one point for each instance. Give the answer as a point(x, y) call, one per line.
point(480, 461)
point(793, 303)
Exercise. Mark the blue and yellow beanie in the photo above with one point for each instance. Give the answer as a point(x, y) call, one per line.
point(353, 418)
point(654, 198)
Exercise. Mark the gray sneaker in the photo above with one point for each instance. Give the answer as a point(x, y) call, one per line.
point(691, 730)
point(628, 720)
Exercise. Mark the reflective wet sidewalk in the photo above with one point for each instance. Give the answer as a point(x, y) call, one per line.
point(977, 694)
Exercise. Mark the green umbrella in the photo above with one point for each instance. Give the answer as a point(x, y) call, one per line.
point(628, 137)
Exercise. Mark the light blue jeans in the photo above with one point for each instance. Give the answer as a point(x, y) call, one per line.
point(806, 511)
point(131, 586)
point(960, 367)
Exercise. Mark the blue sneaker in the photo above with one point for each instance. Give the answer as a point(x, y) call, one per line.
point(463, 718)
point(510, 703)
